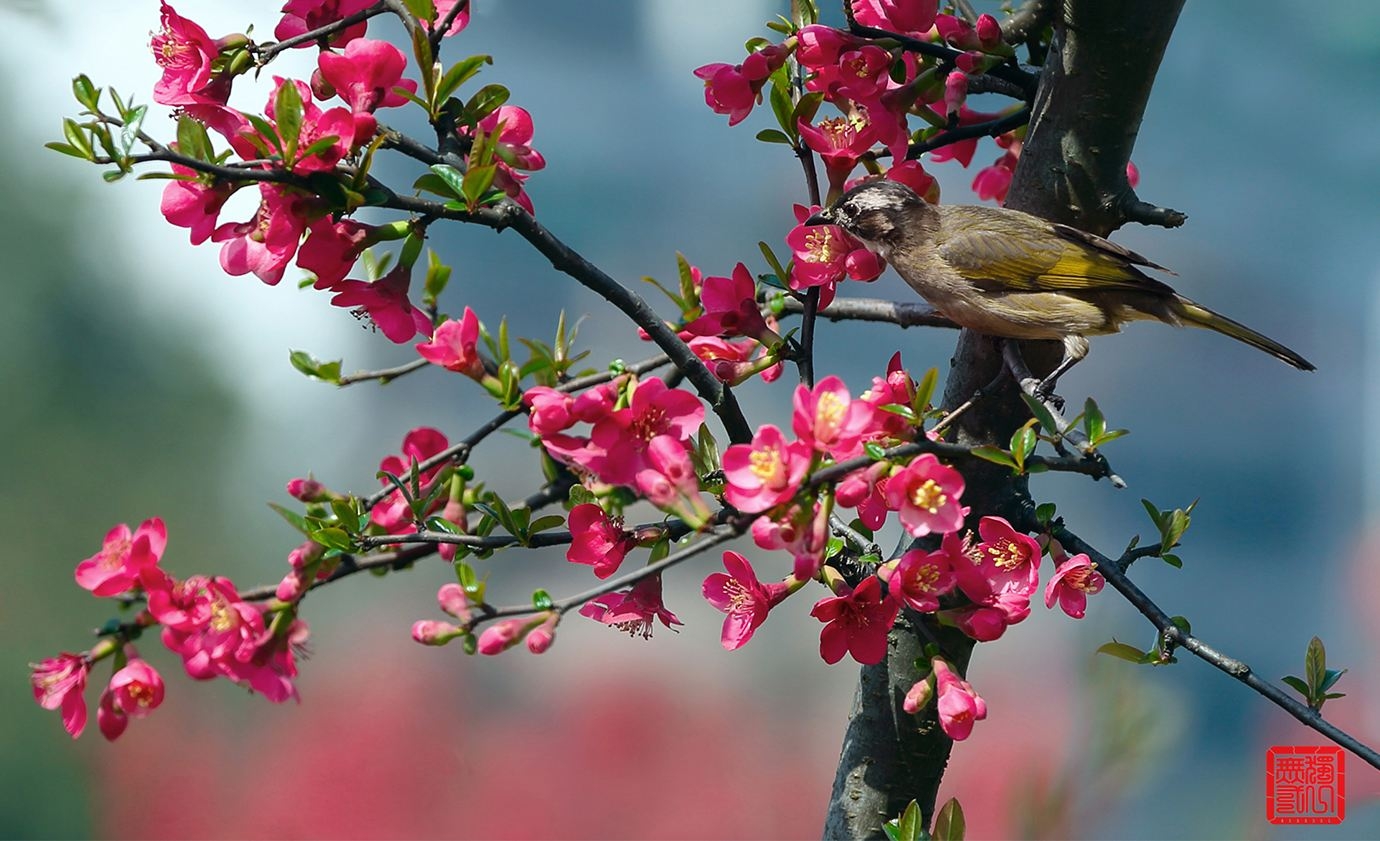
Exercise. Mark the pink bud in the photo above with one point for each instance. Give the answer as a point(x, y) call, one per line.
point(501, 637)
point(306, 490)
point(432, 632)
point(320, 88)
point(919, 696)
point(988, 32)
point(454, 601)
point(540, 638)
point(290, 589)
point(955, 91)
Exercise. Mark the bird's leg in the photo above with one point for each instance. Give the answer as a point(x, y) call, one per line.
point(1041, 389)
point(1075, 351)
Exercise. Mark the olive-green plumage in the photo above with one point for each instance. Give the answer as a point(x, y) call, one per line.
point(1014, 275)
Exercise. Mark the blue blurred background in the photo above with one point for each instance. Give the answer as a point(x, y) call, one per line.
point(138, 379)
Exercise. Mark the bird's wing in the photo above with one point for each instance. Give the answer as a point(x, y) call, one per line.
point(1007, 251)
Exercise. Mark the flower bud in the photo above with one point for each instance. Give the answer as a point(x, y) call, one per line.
point(919, 696)
point(306, 490)
point(433, 632)
point(540, 638)
point(453, 601)
point(988, 32)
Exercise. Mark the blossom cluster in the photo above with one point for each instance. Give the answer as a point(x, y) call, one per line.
point(295, 134)
point(202, 620)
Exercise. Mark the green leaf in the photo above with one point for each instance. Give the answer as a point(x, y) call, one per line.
point(770, 257)
point(129, 133)
point(874, 451)
point(1041, 413)
point(423, 9)
point(442, 525)
point(333, 538)
point(660, 549)
point(476, 182)
point(86, 92)
point(807, 107)
point(1093, 421)
point(686, 276)
point(924, 391)
point(453, 178)
point(1331, 676)
point(771, 135)
point(1155, 516)
point(995, 455)
point(541, 524)
point(1022, 445)
point(1315, 666)
point(485, 102)
point(437, 276)
point(1299, 686)
point(1044, 513)
point(293, 519)
point(948, 822)
point(319, 146)
point(1173, 560)
point(458, 74)
point(67, 150)
point(1122, 651)
point(541, 600)
point(78, 138)
point(910, 826)
point(287, 113)
point(782, 108)
point(1110, 435)
point(264, 133)
point(312, 367)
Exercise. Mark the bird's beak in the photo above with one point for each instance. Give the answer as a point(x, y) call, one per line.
point(824, 217)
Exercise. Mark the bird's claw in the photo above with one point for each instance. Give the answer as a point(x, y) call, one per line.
point(1045, 392)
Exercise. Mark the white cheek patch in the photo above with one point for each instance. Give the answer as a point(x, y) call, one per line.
point(871, 200)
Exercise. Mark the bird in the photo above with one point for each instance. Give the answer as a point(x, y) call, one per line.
point(1013, 275)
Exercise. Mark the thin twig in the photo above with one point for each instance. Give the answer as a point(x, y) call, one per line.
point(267, 52)
point(875, 309)
point(384, 374)
point(1173, 636)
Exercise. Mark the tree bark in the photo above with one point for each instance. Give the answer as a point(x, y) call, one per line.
point(1087, 112)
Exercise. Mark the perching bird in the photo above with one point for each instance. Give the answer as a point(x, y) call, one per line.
point(1017, 276)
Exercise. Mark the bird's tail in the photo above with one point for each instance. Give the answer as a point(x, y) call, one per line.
point(1197, 315)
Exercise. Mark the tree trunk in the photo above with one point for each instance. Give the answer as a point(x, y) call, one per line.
point(1093, 89)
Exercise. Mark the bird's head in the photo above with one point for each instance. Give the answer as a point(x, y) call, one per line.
point(881, 213)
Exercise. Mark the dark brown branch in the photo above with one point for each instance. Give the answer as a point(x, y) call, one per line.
point(1030, 17)
point(1172, 636)
point(874, 309)
point(991, 128)
point(267, 52)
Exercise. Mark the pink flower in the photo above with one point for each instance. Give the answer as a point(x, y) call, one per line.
point(955, 91)
point(926, 493)
point(732, 362)
point(730, 308)
point(514, 152)
point(913, 175)
point(857, 623)
point(820, 46)
point(1072, 583)
point(111, 720)
point(1005, 562)
point(983, 624)
point(265, 244)
point(840, 142)
point(669, 481)
point(733, 89)
point(443, 8)
point(740, 595)
point(963, 150)
point(302, 16)
point(897, 388)
point(455, 346)
point(386, 303)
point(195, 202)
point(765, 473)
point(185, 53)
point(624, 436)
point(137, 689)
point(632, 610)
point(58, 682)
point(959, 705)
point(307, 490)
point(365, 76)
point(802, 531)
point(598, 540)
point(332, 249)
point(919, 578)
point(549, 410)
point(419, 445)
point(123, 557)
point(908, 17)
point(957, 32)
point(828, 418)
point(825, 255)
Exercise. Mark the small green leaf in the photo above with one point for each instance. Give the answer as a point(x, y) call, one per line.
point(995, 455)
point(541, 600)
point(453, 178)
point(1173, 560)
point(1155, 516)
point(1298, 686)
point(910, 826)
point(423, 9)
point(1093, 421)
point(1041, 413)
point(86, 92)
point(770, 257)
point(781, 106)
point(874, 451)
point(67, 150)
point(458, 74)
point(485, 102)
point(293, 519)
point(948, 822)
point(1315, 666)
point(129, 133)
point(1022, 445)
point(1331, 678)
point(1044, 513)
point(771, 135)
point(1122, 651)
point(333, 538)
point(287, 113)
point(442, 525)
point(541, 524)
point(660, 549)
point(924, 392)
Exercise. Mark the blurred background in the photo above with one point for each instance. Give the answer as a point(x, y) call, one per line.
point(139, 380)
